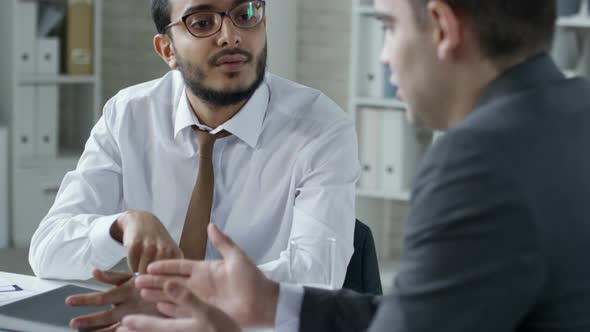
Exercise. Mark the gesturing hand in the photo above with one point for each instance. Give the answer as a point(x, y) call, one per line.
point(234, 284)
point(145, 239)
point(124, 299)
point(188, 314)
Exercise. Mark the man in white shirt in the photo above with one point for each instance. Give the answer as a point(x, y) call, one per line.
point(284, 167)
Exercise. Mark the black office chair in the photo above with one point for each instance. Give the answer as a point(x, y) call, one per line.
point(362, 274)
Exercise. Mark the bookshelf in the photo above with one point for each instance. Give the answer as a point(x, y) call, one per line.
point(389, 147)
point(50, 98)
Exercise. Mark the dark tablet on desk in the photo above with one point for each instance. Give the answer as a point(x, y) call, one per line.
point(45, 312)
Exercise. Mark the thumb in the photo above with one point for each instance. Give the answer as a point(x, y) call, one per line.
point(223, 243)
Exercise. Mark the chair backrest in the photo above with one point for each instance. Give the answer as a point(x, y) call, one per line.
point(362, 274)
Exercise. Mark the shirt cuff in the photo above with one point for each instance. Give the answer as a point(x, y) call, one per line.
point(289, 308)
point(106, 251)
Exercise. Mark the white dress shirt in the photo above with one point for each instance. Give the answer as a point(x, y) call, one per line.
point(287, 172)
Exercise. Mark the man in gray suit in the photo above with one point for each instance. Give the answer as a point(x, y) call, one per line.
point(499, 225)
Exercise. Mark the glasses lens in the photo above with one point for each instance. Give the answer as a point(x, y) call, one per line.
point(203, 23)
point(248, 14)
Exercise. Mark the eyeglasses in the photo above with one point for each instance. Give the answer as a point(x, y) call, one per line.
point(205, 23)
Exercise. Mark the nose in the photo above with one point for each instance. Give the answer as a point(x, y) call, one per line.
point(229, 36)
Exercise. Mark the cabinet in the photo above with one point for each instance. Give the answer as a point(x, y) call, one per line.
point(389, 146)
point(50, 97)
point(4, 229)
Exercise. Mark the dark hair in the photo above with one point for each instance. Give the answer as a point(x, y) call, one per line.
point(506, 28)
point(161, 14)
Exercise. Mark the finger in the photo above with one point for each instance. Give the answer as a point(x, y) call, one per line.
point(112, 296)
point(133, 256)
point(181, 267)
point(100, 319)
point(111, 328)
point(223, 243)
point(185, 303)
point(155, 281)
point(148, 255)
point(153, 295)
point(169, 253)
point(125, 329)
point(150, 324)
point(111, 277)
point(175, 310)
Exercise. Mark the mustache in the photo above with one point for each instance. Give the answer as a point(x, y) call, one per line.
point(230, 51)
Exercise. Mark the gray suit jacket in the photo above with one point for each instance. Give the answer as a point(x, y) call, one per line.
point(498, 233)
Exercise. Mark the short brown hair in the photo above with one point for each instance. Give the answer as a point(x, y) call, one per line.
point(506, 28)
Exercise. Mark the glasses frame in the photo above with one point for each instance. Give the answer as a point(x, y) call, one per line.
point(222, 14)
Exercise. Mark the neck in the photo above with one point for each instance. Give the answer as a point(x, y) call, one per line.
point(210, 115)
point(469, 91)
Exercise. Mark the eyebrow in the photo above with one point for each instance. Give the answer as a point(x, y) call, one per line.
point(197, 8)
point(384, 17)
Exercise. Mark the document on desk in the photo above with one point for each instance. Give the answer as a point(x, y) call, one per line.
point(8, 286)
point(10, 291)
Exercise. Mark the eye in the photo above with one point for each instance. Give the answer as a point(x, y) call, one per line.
point(244, 17)
point(201, 22)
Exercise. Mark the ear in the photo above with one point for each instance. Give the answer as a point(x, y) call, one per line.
point(264, 21)
point(446, 28)
point(163, 46)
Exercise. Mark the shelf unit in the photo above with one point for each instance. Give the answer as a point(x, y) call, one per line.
point(389, 147)
point(36, 173)
point(571, 48)
point(369, 91)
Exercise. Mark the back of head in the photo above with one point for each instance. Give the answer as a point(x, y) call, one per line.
point(506, 28)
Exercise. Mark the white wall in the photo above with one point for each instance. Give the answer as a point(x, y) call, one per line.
point(282, 33)
point(4, 228)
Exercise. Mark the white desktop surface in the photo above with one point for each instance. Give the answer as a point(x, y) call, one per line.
point(33, 285)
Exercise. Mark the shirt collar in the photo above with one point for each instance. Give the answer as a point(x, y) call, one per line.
point(245, 125)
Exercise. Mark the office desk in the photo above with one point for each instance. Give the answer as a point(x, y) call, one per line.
point(33, 285)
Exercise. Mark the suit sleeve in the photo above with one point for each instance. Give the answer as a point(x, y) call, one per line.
point(341, 310)
point(471, 258)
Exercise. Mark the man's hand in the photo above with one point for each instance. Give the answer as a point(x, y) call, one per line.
point(124, 299)
point(145, 239)
point(233, 284)
point(189, 313)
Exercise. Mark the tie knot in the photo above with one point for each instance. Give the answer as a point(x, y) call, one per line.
point(206, 142)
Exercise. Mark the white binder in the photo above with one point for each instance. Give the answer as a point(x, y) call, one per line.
point(370, 147)
point(26, 23)
point(4, 234)
point(398, 153)
point(48, 56)
point(376, 68)
point(46, 133)
point(24, 120)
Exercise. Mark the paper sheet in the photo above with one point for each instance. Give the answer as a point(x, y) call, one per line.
point(8, 286)
point(10, 292)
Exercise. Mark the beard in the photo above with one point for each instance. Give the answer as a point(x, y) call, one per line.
point(194, 75)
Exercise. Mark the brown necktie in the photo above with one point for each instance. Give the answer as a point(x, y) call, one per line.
point(193, 241)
